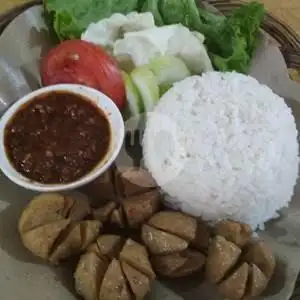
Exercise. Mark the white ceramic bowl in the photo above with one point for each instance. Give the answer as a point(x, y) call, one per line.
point(117, 136)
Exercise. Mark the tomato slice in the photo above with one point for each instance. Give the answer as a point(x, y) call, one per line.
point(81, 62)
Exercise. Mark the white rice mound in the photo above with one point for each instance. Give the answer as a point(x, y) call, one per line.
point(223, 146)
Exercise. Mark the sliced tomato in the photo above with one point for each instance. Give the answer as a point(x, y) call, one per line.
point(81, 62)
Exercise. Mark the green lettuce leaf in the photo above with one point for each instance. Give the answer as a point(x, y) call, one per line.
point(72, 17)
point(184, 12)
point(152, 6)
point(231, 41)
point(234, 41)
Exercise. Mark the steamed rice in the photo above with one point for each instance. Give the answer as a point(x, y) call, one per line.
point(223, 146)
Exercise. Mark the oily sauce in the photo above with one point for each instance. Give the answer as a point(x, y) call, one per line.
point(58, 137)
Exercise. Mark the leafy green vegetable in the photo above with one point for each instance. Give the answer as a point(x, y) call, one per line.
point(152, 6)
point(66, 26)
point(184, 12)
point(48, 17)
point(208, 22)
point(209, 18)
point(71, 17)
point(231, 41)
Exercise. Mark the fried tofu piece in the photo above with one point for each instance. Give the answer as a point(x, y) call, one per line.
point(179, 264)
point(257, 282)
point(139, 282)
point(160, 242)
point(75, 239)
point(203, 236)
point(167, 265)
point(102, 189)
point(234, 286)
point(114, 285)
point(89, 275)
point(104, 213)
point(107, 245)
point(40, 240)
point(235, 232)
point(137, 256)
point(195, 262)
point(80, 209)
point(43, 209)
point(263, 257)
point(176, 223)
point(140, 208)
point(222, 256)
point(134, 181)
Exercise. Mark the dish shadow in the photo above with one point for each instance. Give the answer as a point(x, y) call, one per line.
point(64, 275)
point(278, 280)
point(10, 241)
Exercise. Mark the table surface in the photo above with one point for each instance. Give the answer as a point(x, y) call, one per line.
point(285, 10)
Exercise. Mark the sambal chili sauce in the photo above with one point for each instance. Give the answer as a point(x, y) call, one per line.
point(58, 137)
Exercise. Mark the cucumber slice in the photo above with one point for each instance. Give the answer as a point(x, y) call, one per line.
point(147, 85)
point(168, 70)
point(135, 105)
